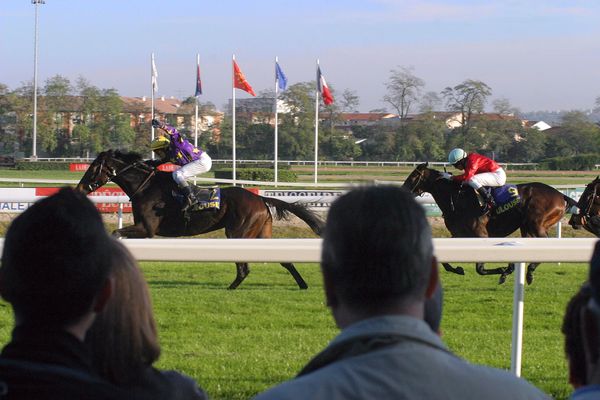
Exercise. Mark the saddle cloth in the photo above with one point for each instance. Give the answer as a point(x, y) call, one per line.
point(506, 197)
point(208, 198)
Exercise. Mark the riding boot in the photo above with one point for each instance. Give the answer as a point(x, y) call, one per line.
point(190, 198)
point(488, 200)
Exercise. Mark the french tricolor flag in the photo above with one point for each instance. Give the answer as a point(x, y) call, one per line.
point(323, 88)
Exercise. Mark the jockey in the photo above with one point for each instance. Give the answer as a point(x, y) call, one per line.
point(174, 148)
point(479, 171)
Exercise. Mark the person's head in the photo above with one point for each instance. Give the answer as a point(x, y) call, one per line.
point(123, 338)
point(54, 267)
point(159, 146)
point(572, 330)
point(433, 309)
point(377, 255)
point(590, 324)
point(457, 157)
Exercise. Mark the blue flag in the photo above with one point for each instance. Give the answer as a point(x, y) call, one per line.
point(280, 77)
point(198, 82)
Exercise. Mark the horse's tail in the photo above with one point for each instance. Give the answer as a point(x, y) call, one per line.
point(570, 203)
point(283, 210)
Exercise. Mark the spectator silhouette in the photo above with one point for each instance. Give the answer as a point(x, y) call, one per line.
point(124, 338)
point(56, 277)
point(590, 335)
point(378, 269)
point(572, 330)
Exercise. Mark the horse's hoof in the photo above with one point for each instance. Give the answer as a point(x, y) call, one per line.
point(502, 279)
point(460, 270)
point(116, 235)
point(529, 278)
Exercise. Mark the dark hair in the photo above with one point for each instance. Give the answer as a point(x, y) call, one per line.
point(54, 260)
point(123, 338)
point(377, 247)
point(572, 329)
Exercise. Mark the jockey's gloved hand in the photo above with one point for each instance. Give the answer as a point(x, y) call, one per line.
point(157, 124)
point(446, 175)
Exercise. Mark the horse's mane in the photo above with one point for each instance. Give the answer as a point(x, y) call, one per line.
point(128, 157)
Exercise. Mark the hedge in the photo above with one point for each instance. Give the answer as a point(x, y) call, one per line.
point(256, 174)
point(582, 162)
point(43, 165)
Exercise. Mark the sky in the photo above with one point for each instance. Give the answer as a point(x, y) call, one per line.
point(540, 55)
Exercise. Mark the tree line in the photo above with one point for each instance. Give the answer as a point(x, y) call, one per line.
point(104, 124)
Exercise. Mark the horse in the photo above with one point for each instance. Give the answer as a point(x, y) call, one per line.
point(156, 211)
point(589, 206)
point(539, 208)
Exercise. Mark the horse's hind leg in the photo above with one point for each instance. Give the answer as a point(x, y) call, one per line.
point(242, 272)
point(530, 269)
point(450, 268)
point(297, 277)
point(503, 272)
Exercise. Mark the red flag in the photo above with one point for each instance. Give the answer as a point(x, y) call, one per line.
point(323, 88)
point(239, 80)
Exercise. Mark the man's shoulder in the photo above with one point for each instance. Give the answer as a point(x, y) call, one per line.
point(26, 379)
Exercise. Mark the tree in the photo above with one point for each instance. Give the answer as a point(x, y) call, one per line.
point(403, 88)
point(429, 102)
point(349, 101)
point(467, 98)
point(57, 102)
point(502, 106)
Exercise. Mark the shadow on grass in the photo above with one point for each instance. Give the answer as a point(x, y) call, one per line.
point(218, 285)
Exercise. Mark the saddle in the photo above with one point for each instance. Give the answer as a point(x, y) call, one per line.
point(506, 197)
point(208, 198)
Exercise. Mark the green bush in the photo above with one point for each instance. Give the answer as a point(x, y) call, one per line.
point(42, 165)
point(256, 174)
point(581, 162)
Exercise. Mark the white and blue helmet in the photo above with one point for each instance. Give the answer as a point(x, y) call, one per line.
point(456, 155)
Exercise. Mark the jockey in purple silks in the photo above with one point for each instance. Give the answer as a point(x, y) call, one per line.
point(174, 148)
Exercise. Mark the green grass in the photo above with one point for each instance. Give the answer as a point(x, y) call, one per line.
point(237, 343)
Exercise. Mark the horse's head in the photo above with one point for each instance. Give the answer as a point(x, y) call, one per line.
point(588, 204)
point(100, 172)
point(418, 182)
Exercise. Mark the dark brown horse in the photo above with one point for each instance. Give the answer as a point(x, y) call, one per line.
point(540, 207)
point(242, 214)
point(589, 209)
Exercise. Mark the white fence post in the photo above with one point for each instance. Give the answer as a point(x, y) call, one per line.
point(517, 328)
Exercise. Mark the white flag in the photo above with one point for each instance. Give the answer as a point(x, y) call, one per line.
point(154, 75)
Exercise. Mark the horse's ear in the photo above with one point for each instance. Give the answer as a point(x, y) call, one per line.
point(426, 163)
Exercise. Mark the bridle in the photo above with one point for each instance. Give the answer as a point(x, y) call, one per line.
point(421, 174)
point(591, 201)
point(112, 174)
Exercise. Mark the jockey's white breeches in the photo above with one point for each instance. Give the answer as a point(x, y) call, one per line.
point(189, 170)
point(496, 178)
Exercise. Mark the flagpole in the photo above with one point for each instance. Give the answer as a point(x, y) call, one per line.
point(233, 117)
point(196, 124)
point(153, 79)
point(276, 120)
point(316, 121)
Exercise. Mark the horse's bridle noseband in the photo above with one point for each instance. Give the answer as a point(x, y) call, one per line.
point(418, 181)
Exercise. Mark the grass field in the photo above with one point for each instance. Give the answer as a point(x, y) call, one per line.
point(237, 343)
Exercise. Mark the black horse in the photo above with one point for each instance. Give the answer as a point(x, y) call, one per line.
point(589, 206)
point(242, 213)
point(540, 207)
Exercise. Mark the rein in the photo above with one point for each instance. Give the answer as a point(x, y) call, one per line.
point(136, 165)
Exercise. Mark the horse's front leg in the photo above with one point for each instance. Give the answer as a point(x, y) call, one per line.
point(137, 231)
point(456, 270)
